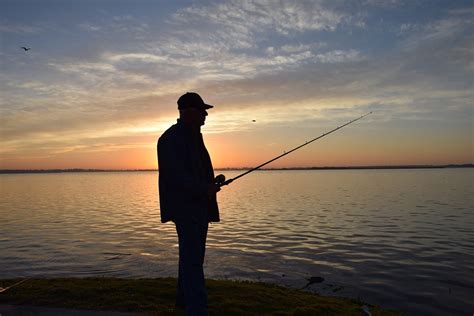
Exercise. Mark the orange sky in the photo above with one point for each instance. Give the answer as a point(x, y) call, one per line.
point(363, 143)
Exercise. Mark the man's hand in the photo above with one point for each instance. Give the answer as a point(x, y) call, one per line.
point(212, 189)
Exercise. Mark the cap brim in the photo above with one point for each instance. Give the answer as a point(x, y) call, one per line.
point(208, 106)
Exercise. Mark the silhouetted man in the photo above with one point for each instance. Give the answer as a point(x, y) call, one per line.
point(188, 197)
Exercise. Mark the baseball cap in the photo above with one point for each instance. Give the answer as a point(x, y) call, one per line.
point(192, 100)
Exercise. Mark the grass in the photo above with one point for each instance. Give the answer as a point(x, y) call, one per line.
point(156, 297)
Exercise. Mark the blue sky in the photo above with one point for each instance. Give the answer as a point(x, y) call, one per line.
point(101, 80)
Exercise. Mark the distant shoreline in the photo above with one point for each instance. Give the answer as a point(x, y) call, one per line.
point(16, 171)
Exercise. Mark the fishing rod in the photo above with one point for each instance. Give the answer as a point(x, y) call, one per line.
point(221, 181)
point(4, 289)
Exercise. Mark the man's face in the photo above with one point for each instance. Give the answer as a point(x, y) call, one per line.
point(196, 117)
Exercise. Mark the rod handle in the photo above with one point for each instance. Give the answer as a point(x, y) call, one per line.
point(227, 182)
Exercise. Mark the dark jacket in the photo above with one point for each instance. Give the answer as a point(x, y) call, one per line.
point(185, 171)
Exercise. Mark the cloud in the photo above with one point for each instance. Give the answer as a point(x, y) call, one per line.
point(102, 76)
point(385, 3)
point(296, 48)
point(255, 16)
point(136, 56)
point(446, 28)
point(455, 24)
point(469, 11)
point(89, 27)
point(408, 28)
point(338, 56)
point(441, 54)
point(20, 28)
point(131, 85)
point(177, 60)
point(124, 24)
point(243, 25)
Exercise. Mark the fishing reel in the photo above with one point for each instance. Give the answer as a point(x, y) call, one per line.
point(220, 180)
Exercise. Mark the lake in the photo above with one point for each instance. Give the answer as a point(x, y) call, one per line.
point(402, 239)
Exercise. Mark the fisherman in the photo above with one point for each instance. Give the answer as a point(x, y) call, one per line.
point(188, 197)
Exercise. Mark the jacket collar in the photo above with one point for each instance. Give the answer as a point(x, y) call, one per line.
point(186, 128)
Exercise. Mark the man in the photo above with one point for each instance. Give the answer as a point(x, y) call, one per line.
point(188, 197)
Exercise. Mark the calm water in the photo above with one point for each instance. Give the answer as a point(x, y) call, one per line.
point(402, 239)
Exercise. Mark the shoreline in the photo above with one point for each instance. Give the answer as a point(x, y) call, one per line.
point(157, 297)
point(383, 167)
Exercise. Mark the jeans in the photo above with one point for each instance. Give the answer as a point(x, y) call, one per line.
point(191, 293)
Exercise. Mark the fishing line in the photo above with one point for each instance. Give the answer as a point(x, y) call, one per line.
point(221, 181)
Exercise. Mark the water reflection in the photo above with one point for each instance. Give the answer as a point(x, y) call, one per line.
point(399, 238)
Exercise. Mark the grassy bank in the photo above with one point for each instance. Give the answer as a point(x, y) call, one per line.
point(156, 297)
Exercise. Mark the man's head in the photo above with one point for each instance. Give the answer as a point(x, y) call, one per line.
point(192, 109)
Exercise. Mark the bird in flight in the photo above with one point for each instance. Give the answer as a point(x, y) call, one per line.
point(25, 48)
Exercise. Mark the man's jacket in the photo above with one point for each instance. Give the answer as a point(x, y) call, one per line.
point(185, 171)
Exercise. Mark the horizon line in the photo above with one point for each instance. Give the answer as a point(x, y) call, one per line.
point(466, 165)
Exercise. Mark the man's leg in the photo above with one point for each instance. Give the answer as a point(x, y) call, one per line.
point(180, 304)
point(192, 239)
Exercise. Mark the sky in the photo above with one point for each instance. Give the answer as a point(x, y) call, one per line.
point(100, 83)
